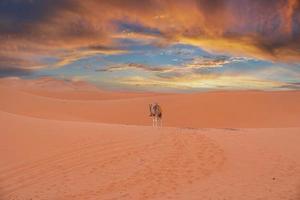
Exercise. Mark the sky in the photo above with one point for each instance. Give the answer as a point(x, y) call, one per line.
point(154, 45)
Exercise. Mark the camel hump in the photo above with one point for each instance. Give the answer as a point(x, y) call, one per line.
point(155, 107)
point(159, 108)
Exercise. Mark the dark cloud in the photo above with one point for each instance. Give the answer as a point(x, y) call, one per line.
point(272, 27)
point(10, 66)
point(296, 22)
point(291, 86)
point(32, 10)
point(137, 28)
point(18, 16)
point(14, 71)
point(100, 48)
point(264, 29)
point(132, 5)
point(212, 5)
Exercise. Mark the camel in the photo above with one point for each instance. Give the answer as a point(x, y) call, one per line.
point(156, 114)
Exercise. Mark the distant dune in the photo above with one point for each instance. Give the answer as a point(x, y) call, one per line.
point(64, 140)
point(77, 101)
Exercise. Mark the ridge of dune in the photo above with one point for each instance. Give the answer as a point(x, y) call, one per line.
point(67, 89)
point(239, 109)
point(127, 154)
point(215, 145)
point(79, 160)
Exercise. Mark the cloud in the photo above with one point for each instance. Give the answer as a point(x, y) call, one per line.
point(215, 72)
point(208, 63)
point(13, 71)
point(136, 28)
point(290, 86)
point(11, 66)
point(198, 65)
point(267, 30)
point(134, 66)
point(76, 55)
point(20, 17)
point(201, 82)
point(5, 61)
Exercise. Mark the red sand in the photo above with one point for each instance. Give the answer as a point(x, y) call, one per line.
point(66, 141)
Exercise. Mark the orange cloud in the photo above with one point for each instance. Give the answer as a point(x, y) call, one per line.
point(201, 82)
point(262, 29)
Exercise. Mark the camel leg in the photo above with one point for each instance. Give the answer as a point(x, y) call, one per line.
point(160, 122)
point(152, 121)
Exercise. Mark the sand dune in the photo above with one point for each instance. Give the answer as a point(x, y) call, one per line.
point(67, 90)
point(78, 160)
point(243, 109)
point(65, 140)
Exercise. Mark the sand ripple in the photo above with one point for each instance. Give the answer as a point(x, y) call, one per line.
point(122, 169)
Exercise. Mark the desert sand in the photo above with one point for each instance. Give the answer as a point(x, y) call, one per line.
point(70, 140)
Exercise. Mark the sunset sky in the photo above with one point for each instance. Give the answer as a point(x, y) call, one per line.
point(154, 45)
